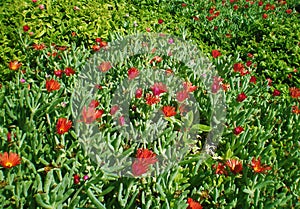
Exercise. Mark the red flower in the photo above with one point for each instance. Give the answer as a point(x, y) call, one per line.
point(257, 167)
point(183, 4)
point(114, 109)
point(276, 93)
point(138, 93)
point(26, 28)
point(104, 67)
point(238, 130)
point(269, 81)
point(235, 166)
point(169, 111)
point(289, 11)
point(94, 104)
point(220, 169)
point(235, 7)
point(239, 67)
point(294, 92)
point(248, 63)
point(253, 79)
point(145, 158)
point(76, 179)
point(138, 168)
point(225, 86)
point(103, 44)
point(39, 46)
point(96, 48)
point(151, 99)
point(58, 73)
point(193, 204)
point(122, 121)
point(91, 114)
point(217, 13)
point(52, 85)
point(250, 55)
point(8, 136)
point(188, 86)
point(295, 109)
point(9, 160)
point(265, 16)
point(98, 40)
point(146, 155)
point(15, 65)
point(209, 18)
point(241, 97)
point(158, 88)
point(169, 71)
point(63, 125)
point(260, 3)
point(69, 71)
point(156, 59)
point(160, 21)
point(182, 95)
point(216, 53)
point(133, 73)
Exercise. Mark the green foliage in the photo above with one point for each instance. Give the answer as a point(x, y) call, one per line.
point(45, 177)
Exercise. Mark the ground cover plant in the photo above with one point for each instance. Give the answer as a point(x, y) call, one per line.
point(65, 147)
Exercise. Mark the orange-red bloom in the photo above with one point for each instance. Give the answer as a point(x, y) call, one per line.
point(215, 53)
point(295, 92)
point(220, 169)
point(138, 93)
point(253, 79)
point(188, 86)
point(193, 204)
point(145, 158)
point(241, 97)
point(239, 67)
point(257, 167)
point(156, 59)
point(63, 125)
point(91, 114)
point(151, 99)
point(133, 73)
point(104, 67)
point(295, 110)
point(235, 166)
point(182, 95)
point(238, 130)
point(96, 48)
point(158, 88)
point(265, 16)
point(9, 160)
point(15, 65)
point(169, 111)
point(52, 85)
point(69, 71)
point(225, 86)
point(39, 46)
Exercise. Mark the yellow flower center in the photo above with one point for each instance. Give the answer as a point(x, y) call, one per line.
point(8, 164)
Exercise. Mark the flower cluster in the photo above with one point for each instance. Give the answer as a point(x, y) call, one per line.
point(236, 167)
